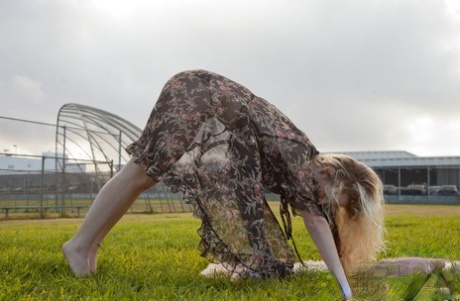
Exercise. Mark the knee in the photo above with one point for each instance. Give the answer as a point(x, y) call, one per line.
point(134, 175)
point(144, 182)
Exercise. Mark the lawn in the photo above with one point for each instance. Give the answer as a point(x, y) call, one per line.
point(155, 257)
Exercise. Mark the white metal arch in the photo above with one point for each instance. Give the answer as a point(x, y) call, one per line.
point(88, 133)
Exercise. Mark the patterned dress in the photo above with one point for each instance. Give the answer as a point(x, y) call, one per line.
point(221, 145)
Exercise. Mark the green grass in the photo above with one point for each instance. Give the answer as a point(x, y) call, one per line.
point(155, 257)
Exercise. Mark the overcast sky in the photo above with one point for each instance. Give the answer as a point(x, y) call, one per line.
point(354, 75)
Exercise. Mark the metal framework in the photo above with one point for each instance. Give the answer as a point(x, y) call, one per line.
point(89, 133)
point(89, 149)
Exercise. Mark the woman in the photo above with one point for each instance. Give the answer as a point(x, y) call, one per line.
point(212, 139)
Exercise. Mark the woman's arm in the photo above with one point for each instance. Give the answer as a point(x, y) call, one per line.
point(321, 235)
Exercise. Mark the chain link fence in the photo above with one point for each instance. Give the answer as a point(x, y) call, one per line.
point(53, 186)
point(88, 148)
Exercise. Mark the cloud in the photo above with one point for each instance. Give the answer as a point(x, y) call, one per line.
point(425, 133)
point(27, 88)
point(354, 75)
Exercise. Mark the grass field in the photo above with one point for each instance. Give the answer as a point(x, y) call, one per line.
point(155, 257)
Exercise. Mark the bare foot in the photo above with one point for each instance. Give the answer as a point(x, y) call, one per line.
point(93, 258)
point(77, 259)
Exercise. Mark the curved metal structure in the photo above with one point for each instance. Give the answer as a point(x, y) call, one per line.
point(87, 133)
point(84, 133)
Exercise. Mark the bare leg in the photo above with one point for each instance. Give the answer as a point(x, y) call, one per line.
point(110, 205)
point(102, 234)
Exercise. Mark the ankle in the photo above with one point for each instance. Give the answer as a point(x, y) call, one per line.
point(75, 246)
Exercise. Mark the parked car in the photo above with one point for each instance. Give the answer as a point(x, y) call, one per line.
point(390, 189)
point(448, 190)
point(415, 189)
point(433, 190)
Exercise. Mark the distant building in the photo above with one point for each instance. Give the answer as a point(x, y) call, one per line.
point(13, 164)
point(401, 172)
point(407, 171)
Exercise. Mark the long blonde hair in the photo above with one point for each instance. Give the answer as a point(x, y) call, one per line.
point(359, 224)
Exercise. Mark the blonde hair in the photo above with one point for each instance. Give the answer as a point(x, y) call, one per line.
point(359, 225)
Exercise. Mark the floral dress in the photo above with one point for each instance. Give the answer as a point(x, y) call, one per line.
point(221, 145)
